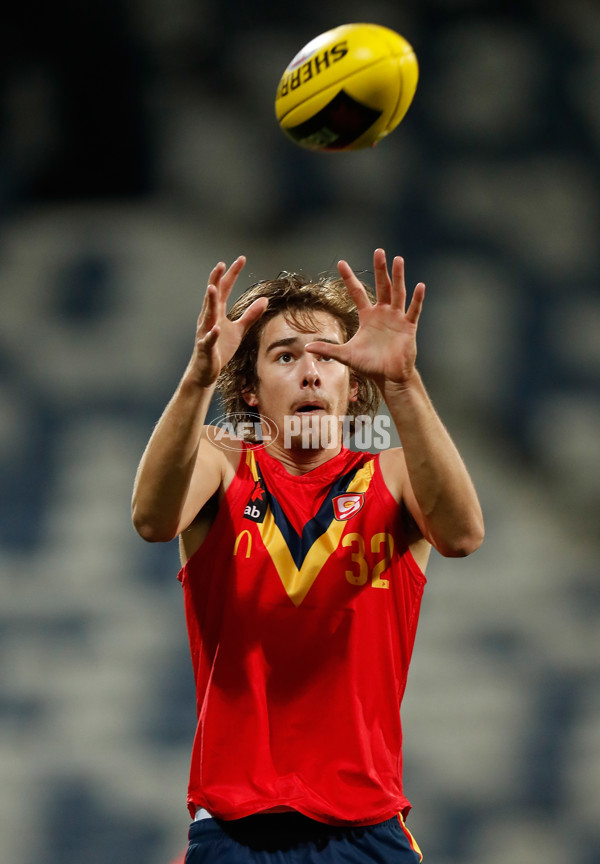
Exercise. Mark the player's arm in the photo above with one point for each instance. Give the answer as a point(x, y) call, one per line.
point(181, 468)
point(427, 474)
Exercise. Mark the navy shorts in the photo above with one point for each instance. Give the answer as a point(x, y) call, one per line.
point(291, 838)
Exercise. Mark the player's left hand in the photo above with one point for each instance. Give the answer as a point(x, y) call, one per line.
point(384, 348)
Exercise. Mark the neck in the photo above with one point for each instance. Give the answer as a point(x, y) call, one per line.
point(301, 460)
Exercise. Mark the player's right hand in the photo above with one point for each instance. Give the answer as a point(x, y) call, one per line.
point(218, 338)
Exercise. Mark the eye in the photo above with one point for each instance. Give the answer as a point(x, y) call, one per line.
point(326, 359)
point(285, 357)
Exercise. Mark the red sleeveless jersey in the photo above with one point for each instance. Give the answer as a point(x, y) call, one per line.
point(302, 606)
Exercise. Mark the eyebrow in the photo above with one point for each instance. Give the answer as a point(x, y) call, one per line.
point(291, 340)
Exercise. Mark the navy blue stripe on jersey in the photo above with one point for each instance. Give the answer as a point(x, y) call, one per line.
point(318, 525)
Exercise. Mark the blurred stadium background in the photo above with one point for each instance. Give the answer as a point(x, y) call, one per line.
point(138, 147)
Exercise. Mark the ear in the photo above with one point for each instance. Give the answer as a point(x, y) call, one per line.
point(353, 391)
point(250, 398)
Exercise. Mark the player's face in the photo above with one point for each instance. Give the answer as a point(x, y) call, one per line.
point(297, 389)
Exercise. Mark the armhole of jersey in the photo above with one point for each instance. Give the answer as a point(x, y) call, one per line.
point(388, 500)
point(246, 468)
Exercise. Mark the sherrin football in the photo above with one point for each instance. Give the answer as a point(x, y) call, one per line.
point(348, 88)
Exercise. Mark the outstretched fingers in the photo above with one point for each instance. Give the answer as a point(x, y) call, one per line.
point(224, 278)
point(228, 279)
point(353, 285)
point(210, 309)
point(216, 273)
point(383, 285)
point(209, 339)
point(220, 282)
point(394, 291)
point(330, 350)
point(389, 291)
point(253, 313)
point(416, 304)
point(398, 298)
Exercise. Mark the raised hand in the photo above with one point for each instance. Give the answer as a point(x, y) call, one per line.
point(217, 338)
point(384, 348)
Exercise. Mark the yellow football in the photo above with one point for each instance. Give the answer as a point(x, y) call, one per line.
point(348, 88)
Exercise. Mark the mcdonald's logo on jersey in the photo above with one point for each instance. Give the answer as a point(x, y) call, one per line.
point(346, 506)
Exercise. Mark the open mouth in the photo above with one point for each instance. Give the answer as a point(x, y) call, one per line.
point(309, 408)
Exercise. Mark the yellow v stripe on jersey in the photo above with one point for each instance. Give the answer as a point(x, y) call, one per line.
point(299, 559)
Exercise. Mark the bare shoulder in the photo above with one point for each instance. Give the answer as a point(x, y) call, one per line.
point(220, 448)
point(217, 461)
point(393, 470)
point(395, 475)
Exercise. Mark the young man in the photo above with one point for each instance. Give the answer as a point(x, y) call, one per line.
point(303, 562)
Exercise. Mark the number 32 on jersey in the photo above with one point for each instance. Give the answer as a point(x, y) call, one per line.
point(381, 544)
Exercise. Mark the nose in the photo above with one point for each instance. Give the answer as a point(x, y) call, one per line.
point(310, 375)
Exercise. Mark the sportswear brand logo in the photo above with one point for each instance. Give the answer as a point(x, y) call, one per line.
point(257, 505)
point(346, 506)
